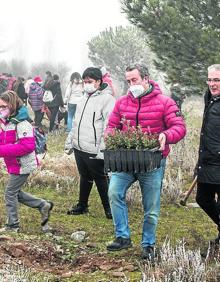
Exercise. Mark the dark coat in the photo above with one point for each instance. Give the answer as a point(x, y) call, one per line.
point(209, 149)
point(48, 83)
point(21, 92)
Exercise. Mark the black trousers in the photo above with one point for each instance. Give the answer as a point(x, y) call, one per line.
point(206, 198)
point(90, 170)
point(62, 116)
point(38, 116)
point(54, 111)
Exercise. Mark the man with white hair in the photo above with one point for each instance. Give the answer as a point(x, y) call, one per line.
point(208, 168)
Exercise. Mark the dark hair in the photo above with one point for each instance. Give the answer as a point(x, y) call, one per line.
point(94, 73)
point(75, 75)
point(143, 70)
point(12, 99)
point(56, 77)
point(49, 73)
point(20, 79)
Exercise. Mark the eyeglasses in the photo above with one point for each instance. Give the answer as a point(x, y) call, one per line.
point(216, 80)
point(3, 107)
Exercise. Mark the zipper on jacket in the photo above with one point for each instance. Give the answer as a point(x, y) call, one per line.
point(4, 137)
point(81, 119)
point(93, 124)
point(211, 103)
point(139, 106)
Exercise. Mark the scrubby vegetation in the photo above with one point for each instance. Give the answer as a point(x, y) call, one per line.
point(182, 236)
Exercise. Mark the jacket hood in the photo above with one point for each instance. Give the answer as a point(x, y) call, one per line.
point(21, 115)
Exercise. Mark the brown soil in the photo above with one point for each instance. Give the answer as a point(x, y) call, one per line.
point(44, 256)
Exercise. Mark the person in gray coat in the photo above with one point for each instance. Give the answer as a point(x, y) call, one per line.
point(86, 138)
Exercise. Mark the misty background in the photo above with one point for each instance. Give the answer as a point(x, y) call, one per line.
point(55, 35)
point(54, 31)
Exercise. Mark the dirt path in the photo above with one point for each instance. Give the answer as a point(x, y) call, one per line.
point(46, 257)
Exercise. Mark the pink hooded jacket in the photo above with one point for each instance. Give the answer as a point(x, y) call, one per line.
point(155, 112)
point(17, 147)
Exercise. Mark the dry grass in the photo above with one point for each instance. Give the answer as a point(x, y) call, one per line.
point(177, 262)
point(60, 172)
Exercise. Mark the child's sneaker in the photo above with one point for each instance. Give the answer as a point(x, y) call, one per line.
point(45, 212)
point(47, 229)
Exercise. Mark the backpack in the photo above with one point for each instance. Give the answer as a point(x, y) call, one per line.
point(6, 83)
point(40, 140)
point(48, 96)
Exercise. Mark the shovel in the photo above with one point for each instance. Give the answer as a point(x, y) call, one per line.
point(192, 186)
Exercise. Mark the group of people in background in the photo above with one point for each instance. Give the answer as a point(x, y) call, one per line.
point(92, 113)
point(35, 89)
point(63, 105)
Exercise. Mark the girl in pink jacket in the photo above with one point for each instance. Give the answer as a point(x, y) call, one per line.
point(17, 147)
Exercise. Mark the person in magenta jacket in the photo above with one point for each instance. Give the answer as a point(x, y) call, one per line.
point(106, 78)
point(145, 106)
point(17, 148)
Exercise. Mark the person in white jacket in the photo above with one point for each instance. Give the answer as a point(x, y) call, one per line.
point(86, 138)
point(73, 94)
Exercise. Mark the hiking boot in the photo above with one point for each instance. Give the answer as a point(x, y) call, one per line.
point(119, 243)
point(47, 229)
point(148, 253)
point(78, 209)
point(8, 229)
point(45, 212)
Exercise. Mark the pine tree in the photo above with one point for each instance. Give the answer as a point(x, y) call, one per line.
point(184, 34)
point(119, 47)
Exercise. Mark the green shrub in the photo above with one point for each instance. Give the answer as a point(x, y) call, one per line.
point(132, 138)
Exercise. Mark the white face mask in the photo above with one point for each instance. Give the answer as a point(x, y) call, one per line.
point(136, 90)
point(4, 113)
point(89, 88)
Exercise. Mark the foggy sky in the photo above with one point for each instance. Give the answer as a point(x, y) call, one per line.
point(55, 30)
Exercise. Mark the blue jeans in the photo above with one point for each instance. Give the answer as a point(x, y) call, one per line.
point(150, 183)
point(71, 114)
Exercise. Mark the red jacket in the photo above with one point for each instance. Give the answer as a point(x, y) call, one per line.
point(155, 112)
